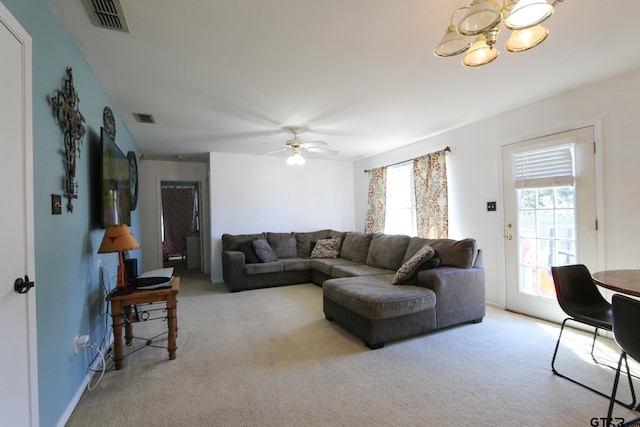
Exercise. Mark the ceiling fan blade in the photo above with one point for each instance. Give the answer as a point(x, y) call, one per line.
point(272, 152)
point(321, 150)
point(312, 144)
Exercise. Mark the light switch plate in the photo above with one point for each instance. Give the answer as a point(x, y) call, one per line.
point(491, 206)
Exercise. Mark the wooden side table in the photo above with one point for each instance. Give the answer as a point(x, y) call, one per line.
point(121, 302)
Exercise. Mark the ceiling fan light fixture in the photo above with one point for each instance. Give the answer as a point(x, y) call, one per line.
point(296, 159)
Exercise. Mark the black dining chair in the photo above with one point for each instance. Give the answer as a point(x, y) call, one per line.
point(581, 300)
point(626, 318)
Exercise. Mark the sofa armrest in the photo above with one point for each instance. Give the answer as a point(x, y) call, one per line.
point(460, 293)
point(233, 264)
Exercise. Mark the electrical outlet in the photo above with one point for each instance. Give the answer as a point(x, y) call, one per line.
point(99, 264)
point(491, 206)
point(80, 341)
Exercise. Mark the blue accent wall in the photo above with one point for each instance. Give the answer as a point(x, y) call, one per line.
point(69, 288)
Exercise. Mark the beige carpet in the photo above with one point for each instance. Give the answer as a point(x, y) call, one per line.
point(269, 358)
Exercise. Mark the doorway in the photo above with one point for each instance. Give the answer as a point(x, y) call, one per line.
point(180, 221)
point(18, 353)
point(550, 216)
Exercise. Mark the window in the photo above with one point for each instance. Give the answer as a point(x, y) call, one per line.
point(401, 205)
point(544, 182)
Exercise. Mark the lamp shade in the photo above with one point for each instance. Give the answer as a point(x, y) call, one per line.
point(527, 13)
point(452, 43)
point(481, 17)
point(527, 38)
point(480, 53)
point(118, 238)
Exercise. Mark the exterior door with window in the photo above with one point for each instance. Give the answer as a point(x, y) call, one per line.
point(550, 216)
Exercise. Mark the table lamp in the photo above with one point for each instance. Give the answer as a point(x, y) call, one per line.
point(118, 238)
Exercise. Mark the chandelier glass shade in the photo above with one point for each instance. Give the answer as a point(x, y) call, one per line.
point(527, 38)
point(482, 18)
point(527, 13)
point(480, 53)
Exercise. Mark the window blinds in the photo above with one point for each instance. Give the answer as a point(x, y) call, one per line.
point(548, 167)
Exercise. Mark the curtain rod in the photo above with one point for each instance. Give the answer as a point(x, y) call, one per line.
point(447, 149)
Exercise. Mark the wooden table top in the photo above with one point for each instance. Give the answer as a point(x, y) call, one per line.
point(623, 281)
point(128, 293)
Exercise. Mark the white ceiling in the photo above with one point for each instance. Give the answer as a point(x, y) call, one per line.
point(228, 75)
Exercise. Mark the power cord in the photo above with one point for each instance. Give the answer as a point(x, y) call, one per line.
point(104, 364)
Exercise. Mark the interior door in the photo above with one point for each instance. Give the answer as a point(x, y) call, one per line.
point(18, 360)
point(550, 216)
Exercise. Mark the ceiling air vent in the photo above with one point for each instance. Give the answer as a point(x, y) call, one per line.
point(107, 14)
point(144, 118)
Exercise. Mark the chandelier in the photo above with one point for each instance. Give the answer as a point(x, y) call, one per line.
point(482, 20)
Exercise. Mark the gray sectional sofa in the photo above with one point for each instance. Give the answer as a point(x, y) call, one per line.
point(380, 287)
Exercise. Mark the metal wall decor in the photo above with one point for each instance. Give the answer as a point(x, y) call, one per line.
point(65, 105)
point(109, 123)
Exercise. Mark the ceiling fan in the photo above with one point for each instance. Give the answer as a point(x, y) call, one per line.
point(296, 146)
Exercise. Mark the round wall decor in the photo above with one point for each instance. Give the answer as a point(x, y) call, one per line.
point(133, 179)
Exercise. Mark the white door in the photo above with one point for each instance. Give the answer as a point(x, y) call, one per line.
point(18, 362)
point(550, 216)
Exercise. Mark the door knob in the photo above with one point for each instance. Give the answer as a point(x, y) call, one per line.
point(508, 237)
point(22, 286)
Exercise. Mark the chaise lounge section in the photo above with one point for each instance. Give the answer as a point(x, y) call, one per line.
point(380, 287)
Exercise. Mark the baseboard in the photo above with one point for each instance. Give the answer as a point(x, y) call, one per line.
point(64, 418)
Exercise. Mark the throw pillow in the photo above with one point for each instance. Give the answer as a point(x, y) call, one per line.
point(326, 248)
point(264, 251)
point(249, 252)
point(283, 244)
point(408, 270)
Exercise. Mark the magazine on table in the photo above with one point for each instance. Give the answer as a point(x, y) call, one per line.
point(155, 279)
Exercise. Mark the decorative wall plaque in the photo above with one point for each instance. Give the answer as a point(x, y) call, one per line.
point(65, 105)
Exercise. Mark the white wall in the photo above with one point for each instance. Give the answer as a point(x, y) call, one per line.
point(151, 174)
point(251, 194)
point(474, 171)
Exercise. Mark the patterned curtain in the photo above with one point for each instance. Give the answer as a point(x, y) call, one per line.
point(179, 204)
point(377, 201)
point(430, 182)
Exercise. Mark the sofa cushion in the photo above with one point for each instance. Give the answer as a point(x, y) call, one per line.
point(358, 270)
point(264, 251)
point(325, 265)
point(387, 250)
point(304, 241)
point(230, 242)
point(326, 248)
point(264, 267)
point(295, 264)
point(249, 252)
point(375, 298)
point(407, 271)
point(415, 244)
point(333, 234)
point(283, 244)
point(454, 253)
point(355, 246)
